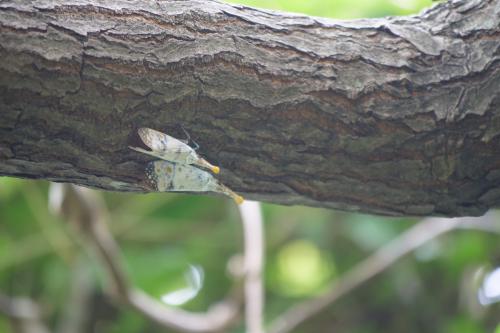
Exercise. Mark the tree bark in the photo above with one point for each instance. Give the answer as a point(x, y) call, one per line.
point(395, 116)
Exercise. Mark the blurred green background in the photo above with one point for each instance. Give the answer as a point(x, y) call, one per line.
point(342, 9)
point(161, 235)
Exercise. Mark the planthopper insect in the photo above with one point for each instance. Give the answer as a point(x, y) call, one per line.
point(177, 171)
point(167, 176)
point(170, 149)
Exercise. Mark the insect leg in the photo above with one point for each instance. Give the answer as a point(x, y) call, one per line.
point(188, 139)
point(196, 145)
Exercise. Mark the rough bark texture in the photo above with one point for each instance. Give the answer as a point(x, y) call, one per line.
point(396, 116)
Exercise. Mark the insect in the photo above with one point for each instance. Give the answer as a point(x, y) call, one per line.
point(170, 149)
point(175, 177)
point(177, 171)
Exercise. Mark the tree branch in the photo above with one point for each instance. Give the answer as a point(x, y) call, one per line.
point(396, 116)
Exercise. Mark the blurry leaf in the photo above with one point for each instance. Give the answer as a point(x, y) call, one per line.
point(463, 324)
point(17, 218)
point(9, 186)
point(4, 324)
point(284, 222)
point(31, 247)
point(55, 278)
point(371, 232)
point(189, 207)
point(465, 248)
point(429, 251)
point(302, 269)
point(156, 269)
point(127, 322)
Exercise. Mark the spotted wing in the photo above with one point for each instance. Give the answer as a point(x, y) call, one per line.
point(167, 176)
point(160, 175)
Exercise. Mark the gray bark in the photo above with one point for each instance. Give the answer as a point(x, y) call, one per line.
point(395, 116)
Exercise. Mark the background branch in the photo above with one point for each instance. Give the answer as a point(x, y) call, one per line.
point(75, 316)
point(251, 216)
point(379, 261)
point(84, 207)
point(24, 314)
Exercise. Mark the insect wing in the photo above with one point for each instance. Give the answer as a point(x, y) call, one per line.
point(168, 176)
point(152, 176)
point(170, 149)
point(189, 178)
point(162, 143)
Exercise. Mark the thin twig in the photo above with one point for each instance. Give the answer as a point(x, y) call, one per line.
point(254, 247)
point(376, 263)
point(92, 219)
